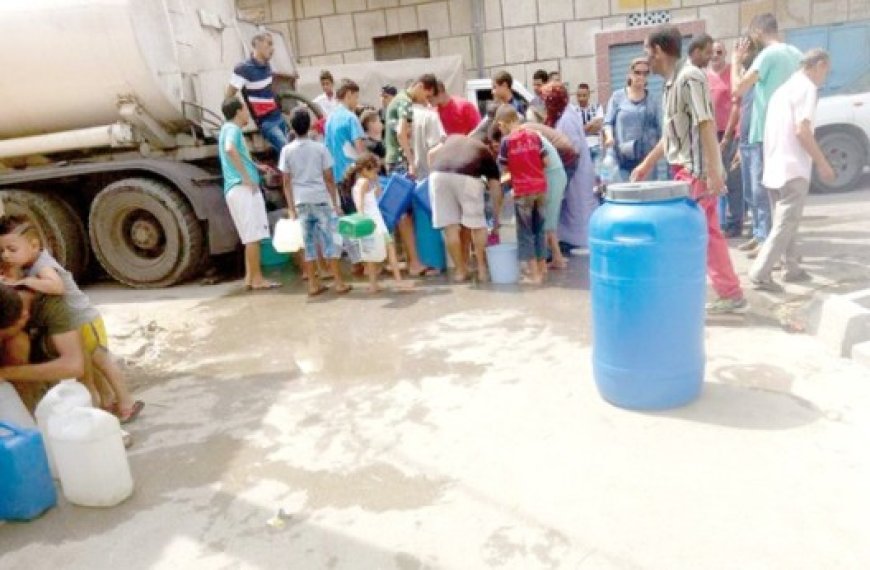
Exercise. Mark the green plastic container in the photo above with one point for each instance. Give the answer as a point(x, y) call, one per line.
point(269, 257)
point(356, 226)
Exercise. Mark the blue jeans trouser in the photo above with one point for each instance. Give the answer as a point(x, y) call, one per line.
point(274, 130)
point(531, 242)
point(731, 204)
point(751, 168)
point(319, 228)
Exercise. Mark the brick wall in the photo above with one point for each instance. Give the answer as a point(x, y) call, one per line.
point(519, 35)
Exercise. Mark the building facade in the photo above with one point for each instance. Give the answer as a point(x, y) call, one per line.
point(582, 39)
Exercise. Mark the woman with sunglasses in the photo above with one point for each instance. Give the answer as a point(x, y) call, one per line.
point(632, 124)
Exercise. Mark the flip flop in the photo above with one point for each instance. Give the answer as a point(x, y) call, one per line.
point(269, 285)
point(344, 291)
point(132, 413)
point(427, 272)
point(320, 291)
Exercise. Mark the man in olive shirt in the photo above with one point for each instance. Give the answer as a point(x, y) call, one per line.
point(397, 129)
point(38, 340)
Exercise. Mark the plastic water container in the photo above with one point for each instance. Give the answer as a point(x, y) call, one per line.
point(90, 457)
point(396, 199)
point(430, 242)
point(422, 200)
point(26, 488)
point(269, 257)
point(356, 226)
point(12, 409)
point(288, 236)
point(648, 246)
point(504, 265)
point(64, 396)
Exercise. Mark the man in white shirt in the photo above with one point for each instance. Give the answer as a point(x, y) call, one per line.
point(790, 149)
point(593, 119)
point(426, 133)
point(327, 100)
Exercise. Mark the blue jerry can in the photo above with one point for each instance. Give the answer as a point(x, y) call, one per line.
point(26, 488)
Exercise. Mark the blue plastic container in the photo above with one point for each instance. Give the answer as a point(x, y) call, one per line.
point(26, 488)
point(396, 199)
point(648, 246)
point(421, 197)
point(430, 243)
point(503, 263)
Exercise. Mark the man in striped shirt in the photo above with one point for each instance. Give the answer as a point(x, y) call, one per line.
point(692, 150)
point(253, 77)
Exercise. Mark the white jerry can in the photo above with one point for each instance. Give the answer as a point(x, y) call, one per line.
point(66, 395)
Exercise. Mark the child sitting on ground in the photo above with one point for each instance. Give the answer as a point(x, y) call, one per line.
point(362, 178)
point(523, 157)
point(312, 198)
point(29, 265)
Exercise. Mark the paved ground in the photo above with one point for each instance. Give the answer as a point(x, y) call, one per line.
point(459, 427)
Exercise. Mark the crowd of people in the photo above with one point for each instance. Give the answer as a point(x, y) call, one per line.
point(739, 134)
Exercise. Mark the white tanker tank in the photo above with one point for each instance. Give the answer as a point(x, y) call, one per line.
point(110, 109)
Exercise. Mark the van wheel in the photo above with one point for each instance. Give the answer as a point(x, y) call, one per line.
point(60, 228)
point(846, 154)
point(145, 234)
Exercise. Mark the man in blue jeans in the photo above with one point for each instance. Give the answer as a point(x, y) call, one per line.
point(253, 77)
point(775, 63)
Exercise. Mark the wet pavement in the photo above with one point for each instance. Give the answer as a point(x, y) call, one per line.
point(459, 427)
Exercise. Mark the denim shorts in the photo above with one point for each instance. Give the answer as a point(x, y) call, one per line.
point(319, 230)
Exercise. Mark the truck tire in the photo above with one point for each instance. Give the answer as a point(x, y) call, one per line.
point(145, 234)
point(60, 228)
point(847, 156)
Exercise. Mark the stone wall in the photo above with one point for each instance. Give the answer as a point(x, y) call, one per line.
point(519, 35)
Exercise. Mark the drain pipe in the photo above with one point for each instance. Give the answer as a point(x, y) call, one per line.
point(477, 26)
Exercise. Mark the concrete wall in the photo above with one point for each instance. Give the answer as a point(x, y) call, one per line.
point(519, 35)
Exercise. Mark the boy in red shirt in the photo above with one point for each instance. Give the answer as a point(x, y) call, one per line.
point(522, 156)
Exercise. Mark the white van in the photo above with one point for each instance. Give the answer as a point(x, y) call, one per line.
point(479, 92)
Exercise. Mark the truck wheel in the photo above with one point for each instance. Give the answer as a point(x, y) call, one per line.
point(145, 234)
point(60, 229)
point(847, 157)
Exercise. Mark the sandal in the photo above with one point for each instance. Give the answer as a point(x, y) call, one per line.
point(426, 272)
point(319, 291)
point(127, 416)
point(265, 286)
point(347, 289)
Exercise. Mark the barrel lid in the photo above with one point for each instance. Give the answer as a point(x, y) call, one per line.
point(647, 191)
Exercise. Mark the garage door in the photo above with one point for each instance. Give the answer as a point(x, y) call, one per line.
point(848, 44)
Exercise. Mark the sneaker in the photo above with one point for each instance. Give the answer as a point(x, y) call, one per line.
point(753, 253)
point(727, 306)
point(749, 245)
point(799, 276)
point(769, 286)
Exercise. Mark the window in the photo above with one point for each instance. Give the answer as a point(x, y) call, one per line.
point(401, 46)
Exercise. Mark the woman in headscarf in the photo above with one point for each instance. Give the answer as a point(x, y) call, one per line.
point(579, 201)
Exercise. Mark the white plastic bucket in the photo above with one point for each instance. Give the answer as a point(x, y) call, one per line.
point(504, 266)
point(66, 395)
point(288, 236)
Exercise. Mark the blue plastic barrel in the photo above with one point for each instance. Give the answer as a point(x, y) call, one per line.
point(396, 199)
point(430, 243)
point(26, 488)
point(648, 246)
point(421, 197)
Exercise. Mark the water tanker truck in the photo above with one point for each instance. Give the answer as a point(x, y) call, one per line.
point(108, 127)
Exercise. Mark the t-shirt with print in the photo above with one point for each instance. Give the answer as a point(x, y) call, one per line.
point(231, 135)
point(343, 129)
point(567, 153)
point(254, 80)
point(458, 116)
point(466, 156)
point(522, 152)
point(774, 65)
point(401, 107)
point(426, 133)
point(49, 316)
point(784, 156)
point(81, 311)
point(305, 160)
point(687, 104)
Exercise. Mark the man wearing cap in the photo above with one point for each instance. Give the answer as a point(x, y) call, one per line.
point(790, 149)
